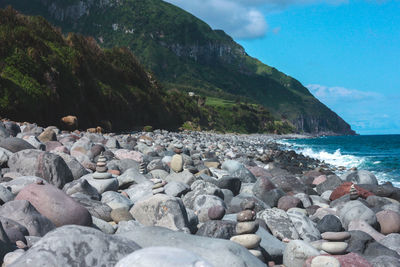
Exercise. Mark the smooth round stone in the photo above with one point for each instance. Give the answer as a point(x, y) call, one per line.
point(102, 175)
point(336, 236)
point(101, 163)
point(216, 213)
point(246, 216)
point(329, 223)
point(257, 254)
point(248, 241)
point(177, 163)
point(101, 169)
point(325, 261)
point(334, 247)
point(246, 228)
point(248, 204)
point(389, 221)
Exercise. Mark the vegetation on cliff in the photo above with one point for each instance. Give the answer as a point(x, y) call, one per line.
point(45, 75)
point(186, 54)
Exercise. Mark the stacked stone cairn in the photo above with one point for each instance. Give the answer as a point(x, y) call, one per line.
point(353, 192)
point(177, 159)
point(101, 168)
point(142, 168)
point(158, 187)
point(246, 228)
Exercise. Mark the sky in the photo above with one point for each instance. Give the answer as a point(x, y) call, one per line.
point(346, 52)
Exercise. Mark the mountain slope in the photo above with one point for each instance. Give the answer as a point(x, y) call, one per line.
point(186, 54)
point(44, 76)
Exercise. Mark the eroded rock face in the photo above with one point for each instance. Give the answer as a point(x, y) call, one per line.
point(161, 210)
point(45, 165)
point(55, 205)
point(77, 246)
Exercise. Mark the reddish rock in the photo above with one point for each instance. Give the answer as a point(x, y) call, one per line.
point(348, 260)
point(319, 180)
point(389, 221)
point(51, 145)
point(287, 202)
point(258, 171)
point(344, 189)
point(54, 204)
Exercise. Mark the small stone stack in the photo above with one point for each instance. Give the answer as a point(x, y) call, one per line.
point(353, 192)
point(158, 187)
point(178, 148)
point(142, 168)
point(101, 168)
point(246, 228)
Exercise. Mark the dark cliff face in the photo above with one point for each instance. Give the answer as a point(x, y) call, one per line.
point(186, 54)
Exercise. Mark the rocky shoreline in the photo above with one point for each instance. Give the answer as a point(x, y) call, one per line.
point(185, 199)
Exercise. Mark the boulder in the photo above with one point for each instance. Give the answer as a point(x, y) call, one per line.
point(177, 163)
point(176, 189)
point(131, 176)
point(329, 223)
point(5, 195)
point(55, 205)
point(389, 221)
point(102, 185)
point(161, 210)
point(96, 208)
point(279, 223)
point(116, 201)
point(230, 183)
point(217, 229)
point(74, 165)
point(19, 183)
point(356, 210)
point(218, 252)
point(77, 246)
point(83, 187)
point(14, 144)
point(350, 260)
point(185, 177)
point(331, 182)
point(47, 135)
point(207, 201)
point(22, 212)
point(287, 202)
point(128, 154)
point(360, 177)
point(392, 241)
point(304, 226)
point(45, 165)
point(297, 252)
point(14, 231)
point(163, 256)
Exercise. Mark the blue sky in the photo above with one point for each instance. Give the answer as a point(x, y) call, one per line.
point(346, 52)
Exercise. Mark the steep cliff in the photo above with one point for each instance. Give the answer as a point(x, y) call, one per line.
point(186, 54)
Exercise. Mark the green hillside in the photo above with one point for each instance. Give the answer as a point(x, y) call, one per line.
point(186, 54)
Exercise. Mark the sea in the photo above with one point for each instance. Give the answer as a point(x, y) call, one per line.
point(379, 154)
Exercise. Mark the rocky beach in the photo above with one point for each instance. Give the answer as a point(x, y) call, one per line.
point(185, 199)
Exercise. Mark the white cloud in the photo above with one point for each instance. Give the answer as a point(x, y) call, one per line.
point(334, 94)
point(367, 112)
point(242, 19)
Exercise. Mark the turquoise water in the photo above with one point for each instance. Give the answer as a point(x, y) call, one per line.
point(379, 154)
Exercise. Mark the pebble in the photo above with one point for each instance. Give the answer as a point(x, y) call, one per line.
point(336, 236)
point(246, 216)
point(325, 261)
point(334, 247)
point(248, 241)
point(246, 228)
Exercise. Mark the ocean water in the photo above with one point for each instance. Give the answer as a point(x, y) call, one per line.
point(379, 154)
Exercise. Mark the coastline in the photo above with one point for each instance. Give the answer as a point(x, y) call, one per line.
point(223, 199)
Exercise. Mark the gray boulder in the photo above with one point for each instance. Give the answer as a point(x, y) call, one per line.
point(45, 165)
point(130, 177)
point(279, 223)
point(14, 144)
point(163, 256)
point(273, 246)
point(297, 252)
point(161, 210)
point(19, 183)
point(360, 177)
point(184, 177)
point(176, 189)
point(116, 200)
point(77, 246)
point(74, 165)
point(356, 210)
point(304, 226)
point(218, 252)
point(217, 229)
point(14, 230)
point(22, 212)
point(81, 186)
